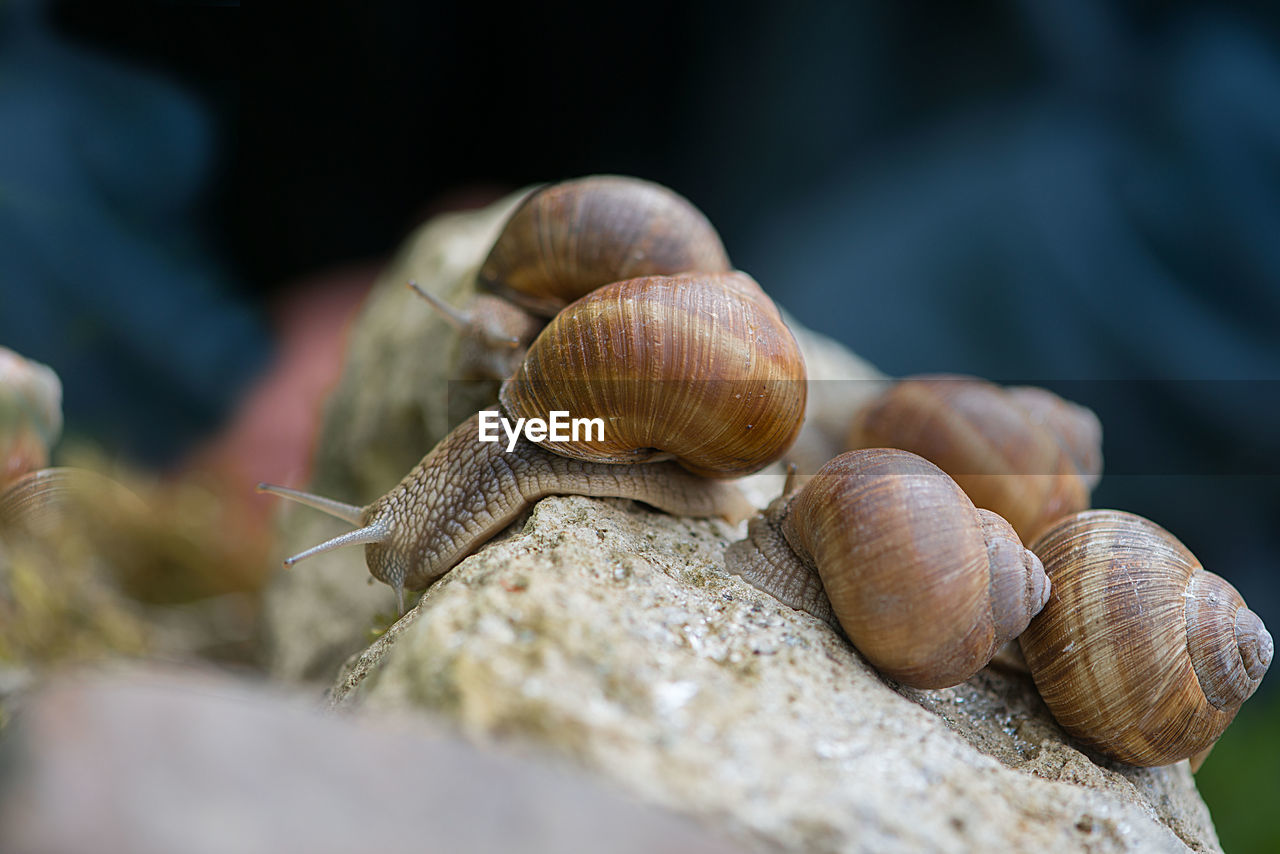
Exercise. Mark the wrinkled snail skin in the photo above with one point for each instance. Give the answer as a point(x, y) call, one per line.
point(1140, 652)
point(1024, 453)
point(566, 239)
point(925, 585)
point(698, 367)
point(464, 491)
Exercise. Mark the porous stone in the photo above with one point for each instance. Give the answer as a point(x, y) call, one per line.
point(614, 635)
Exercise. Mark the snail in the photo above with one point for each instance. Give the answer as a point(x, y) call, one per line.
point(884, 545)
point(563, 241)
point(1022, 452)
point(30, 414)
point(1140, 652)
point(627, 353)
point(492, 334)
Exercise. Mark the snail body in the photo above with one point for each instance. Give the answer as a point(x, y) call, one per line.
point(1140, 652)
point(884, 544)
point(464, 490)
point(560, 243)
point(1023, 453)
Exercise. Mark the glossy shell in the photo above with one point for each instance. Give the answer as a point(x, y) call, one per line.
point(926, 586)
point(569, 238)
point(699, 368)
point(1006, 449)
point(1140, 652)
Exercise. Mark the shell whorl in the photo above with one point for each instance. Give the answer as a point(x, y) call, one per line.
point(567, 239)
point(1229, 646)
point(1140, 652)
point(1019, 586)
point(697, 367)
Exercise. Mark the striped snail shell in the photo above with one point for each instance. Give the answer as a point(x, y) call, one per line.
point(698, 367)
point(1140, 652)
point(882, 543)
point(1023, 453)
point(569, 238)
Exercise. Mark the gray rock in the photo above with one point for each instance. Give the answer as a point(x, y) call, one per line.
point(167, 762)
point(614, 635)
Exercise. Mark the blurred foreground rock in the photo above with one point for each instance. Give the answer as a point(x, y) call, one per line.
point(156, 763)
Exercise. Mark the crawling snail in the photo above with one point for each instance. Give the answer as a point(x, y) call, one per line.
point(885, 545)
point(627, 353)
point(1140, 652)
point(563, 241)
point(1021, 452)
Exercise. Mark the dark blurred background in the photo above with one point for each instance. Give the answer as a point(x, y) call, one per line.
point(1081, 194)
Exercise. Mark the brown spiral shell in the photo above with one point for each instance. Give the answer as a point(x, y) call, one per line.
point(1140, 652)
point(925, 585)
point(698, 367)
point(569, 238)
point(1026, 454)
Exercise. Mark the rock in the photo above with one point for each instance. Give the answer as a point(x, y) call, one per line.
point(160, 762)
point(614, 635)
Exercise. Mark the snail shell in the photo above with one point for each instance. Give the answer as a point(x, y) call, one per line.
point(925, 585)
point(30, 414)
point(1140, 652)
point(569, 238)
point(699, 368)
point(1025, 453)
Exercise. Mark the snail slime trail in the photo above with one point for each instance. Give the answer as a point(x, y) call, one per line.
point(560, 428)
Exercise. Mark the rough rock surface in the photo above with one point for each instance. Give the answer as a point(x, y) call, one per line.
point(614, 635)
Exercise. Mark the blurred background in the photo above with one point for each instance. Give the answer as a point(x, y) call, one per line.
point(1074, 193)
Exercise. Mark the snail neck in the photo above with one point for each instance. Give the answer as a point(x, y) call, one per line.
point(465, 491)
point(767, 561)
